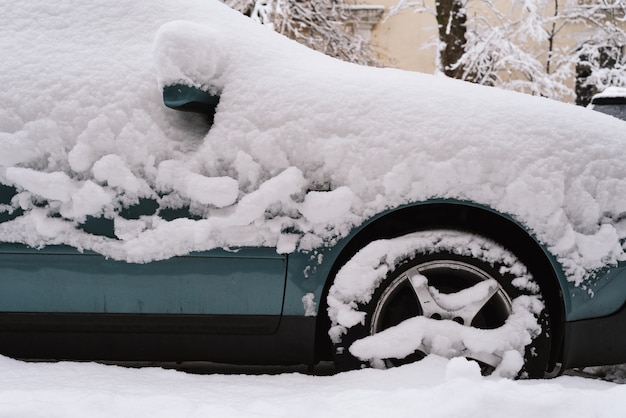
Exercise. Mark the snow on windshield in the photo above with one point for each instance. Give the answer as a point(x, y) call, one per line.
point(84, 133)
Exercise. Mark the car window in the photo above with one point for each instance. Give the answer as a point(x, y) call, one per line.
point(616, 110)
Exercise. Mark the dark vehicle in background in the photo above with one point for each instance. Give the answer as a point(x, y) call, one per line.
point(611, 101)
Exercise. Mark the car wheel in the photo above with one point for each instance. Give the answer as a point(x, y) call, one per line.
point(442, 292)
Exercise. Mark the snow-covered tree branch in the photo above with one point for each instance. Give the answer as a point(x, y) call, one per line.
point(324, 25)
point(535, 46)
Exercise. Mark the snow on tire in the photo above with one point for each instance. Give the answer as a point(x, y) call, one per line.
point(441, 292)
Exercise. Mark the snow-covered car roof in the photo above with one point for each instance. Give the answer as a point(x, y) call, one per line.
point(611, 93)
point(84, 132)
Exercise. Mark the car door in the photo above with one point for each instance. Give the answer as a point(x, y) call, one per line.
point(211, 292)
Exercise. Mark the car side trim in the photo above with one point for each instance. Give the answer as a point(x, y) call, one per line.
point(138, 323)
point(157, 338)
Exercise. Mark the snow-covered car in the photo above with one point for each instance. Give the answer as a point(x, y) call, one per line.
point(611, 101)
point(313, 209)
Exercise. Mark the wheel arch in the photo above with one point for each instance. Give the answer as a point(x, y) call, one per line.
point(468, 217)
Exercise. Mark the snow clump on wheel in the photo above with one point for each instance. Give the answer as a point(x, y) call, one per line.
point(502, 346)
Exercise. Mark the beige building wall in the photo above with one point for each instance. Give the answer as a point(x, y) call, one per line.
point(403, 40)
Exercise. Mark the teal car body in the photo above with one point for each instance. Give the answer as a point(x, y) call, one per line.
point(131, 231)
point(252, 304)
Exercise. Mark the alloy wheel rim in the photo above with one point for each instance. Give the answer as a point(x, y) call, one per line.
point(436, 289)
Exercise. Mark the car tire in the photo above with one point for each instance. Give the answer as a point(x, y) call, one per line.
point(404, 278)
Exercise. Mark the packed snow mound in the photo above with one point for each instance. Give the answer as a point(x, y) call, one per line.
point(84, 134)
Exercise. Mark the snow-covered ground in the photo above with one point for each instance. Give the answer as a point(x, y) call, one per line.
point(434, 387)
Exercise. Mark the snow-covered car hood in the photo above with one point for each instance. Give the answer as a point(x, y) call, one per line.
point(84, 132)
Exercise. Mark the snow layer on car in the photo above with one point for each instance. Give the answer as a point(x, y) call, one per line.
point(83, 132)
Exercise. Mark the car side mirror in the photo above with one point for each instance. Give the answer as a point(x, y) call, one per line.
point(190, 99)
